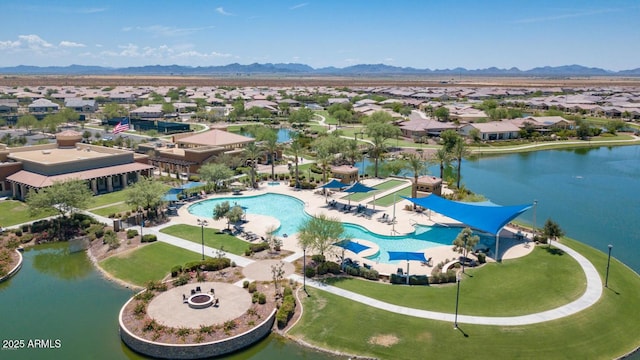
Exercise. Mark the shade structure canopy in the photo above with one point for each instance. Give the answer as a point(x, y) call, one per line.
point(352, 246)
point(488, 218)
point(333, 184)
point(172, 194)
point(408, 256)
point(405, 255)
point(357, 187)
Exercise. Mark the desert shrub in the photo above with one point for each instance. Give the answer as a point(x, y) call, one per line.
point(285, 311)
point(26, 238)
point(144, 296)
point(259, 247)
point(482, 258)
point(140, 309)
point(131, 233)
point(252, 287)
point(245, 284)
point(156, 285)
point(40, 226)
point(310, 272)
point(183, 279)
point(99, 233)
point(287, 291)
point(18, 232)
point(149, 238)
point(328, 267)
point(176, 270)
point(262, 298)
point(25, 228)
point(318, 258)
point(247, 252)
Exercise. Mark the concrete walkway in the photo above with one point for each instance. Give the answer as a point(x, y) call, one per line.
point(590, 297)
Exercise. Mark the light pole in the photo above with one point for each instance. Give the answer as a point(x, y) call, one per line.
point(465, 252)
point(304, 269)
point(202, 224)
point(535, 204)
point(606, 278)
point(455, 323)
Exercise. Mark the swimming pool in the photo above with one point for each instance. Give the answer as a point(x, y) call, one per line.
point(290, 212)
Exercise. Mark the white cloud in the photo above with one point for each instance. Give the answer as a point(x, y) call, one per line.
point(72, 44)
point(34, 42)
point(298, 6)
point(4, 45)
point(221, 11)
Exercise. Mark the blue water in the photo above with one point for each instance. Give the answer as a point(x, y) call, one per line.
point(290, 212)
point(284, 135)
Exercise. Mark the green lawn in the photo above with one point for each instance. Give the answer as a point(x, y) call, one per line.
point(211, 238)
point(150, 262)
point(14, 212)
point(560, 275)
point(389, 199)
point(329, 120)
point(389, 184)
point(106, 211)
point(606, 330)
point(110, 198)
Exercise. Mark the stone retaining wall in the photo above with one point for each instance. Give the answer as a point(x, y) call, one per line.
point(15, 268)
point(195, 351)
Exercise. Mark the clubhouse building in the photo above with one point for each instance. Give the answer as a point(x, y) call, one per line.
point(30, 168)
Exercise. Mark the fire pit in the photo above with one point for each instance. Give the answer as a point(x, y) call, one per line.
point(200, 301)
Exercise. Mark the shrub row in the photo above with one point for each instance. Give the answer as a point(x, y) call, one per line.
point(442, 278)
point(368, 274)
point(328, 267)
point(259, 298)
point(285, 312)
point(208, 265)
point(149, 238)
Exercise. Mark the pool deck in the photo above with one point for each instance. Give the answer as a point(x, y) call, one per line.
point(315, 203)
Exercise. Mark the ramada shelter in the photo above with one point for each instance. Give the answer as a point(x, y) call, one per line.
point(30, 168)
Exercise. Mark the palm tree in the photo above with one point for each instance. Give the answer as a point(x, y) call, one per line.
point(460, 151)
point(252, 152)
point(414, 163)
point(443, 157)
point(271, 147)
point(296, 148)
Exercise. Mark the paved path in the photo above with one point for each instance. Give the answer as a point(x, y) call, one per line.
point(590, 297)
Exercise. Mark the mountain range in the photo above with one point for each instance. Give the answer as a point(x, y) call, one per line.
point(302, 69)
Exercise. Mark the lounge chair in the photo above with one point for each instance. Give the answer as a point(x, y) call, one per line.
point(198, 289)
point(193, 291)
point(399, 271)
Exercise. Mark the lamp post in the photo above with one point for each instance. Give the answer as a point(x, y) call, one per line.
point(465, 253)
point(455, 322)
point(606, 278)
point(304, 269)
point(535, 204)
point(202, 224)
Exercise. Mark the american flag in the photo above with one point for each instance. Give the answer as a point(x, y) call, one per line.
point(122, 126)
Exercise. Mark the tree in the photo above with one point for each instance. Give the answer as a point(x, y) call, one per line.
point(271, 147)
point(414, 163)
point(460, 151)
point(296, 149)
point(65, 197)
point(225, 210)
point(465, 242)
point(319, 232)
point(379, 128)
point(213, 173)
point(552, 230)
point(441, 113)
point(113, 110)
point(614, 126)
point(69, 115)
point(27, 122)
point(302, 115)
point(252, 152)
point(449, 138)
point(145, 194)
point(442, 157)
point(168, 108)
point(343, 116)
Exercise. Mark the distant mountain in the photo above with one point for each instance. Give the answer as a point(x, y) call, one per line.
point(302, 69)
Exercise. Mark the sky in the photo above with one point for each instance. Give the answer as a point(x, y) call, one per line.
point(423, 34)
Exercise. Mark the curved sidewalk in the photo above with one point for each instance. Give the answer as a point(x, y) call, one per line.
point(591, 296)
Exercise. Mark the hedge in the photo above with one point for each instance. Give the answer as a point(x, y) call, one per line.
point(208, 264)
point(285, 311)
point(148, 238)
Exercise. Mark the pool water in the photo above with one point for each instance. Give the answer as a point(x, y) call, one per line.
point(290, 212)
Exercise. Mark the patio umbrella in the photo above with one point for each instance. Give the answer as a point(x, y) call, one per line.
point(408, 256)
point(358, 187)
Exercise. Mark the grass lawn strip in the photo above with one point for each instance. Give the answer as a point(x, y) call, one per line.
point(150, 262)
point(389, 199)
point(604, 331)
point(212, 238)
point(560, 275)
point(14, 212)
point(113, 209)
point(389, 184)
